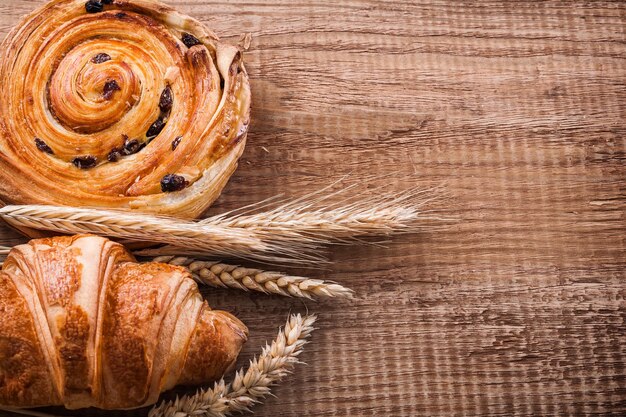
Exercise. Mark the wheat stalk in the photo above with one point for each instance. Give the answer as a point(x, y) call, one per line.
point(217, 274)
point(293, 232)
point(207, 239)
point(249, 386)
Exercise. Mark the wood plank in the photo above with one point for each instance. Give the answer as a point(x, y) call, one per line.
point(519, 109)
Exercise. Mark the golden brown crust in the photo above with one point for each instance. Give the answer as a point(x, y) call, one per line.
point(83, 121)
point(25, 380)
point(101, 330)
point(138, 297)
point(60, 270)
point(222, 331)
point(61, 276)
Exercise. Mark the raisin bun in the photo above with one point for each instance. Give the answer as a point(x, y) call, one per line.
point(123, 104)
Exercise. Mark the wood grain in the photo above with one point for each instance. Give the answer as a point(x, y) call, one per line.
point(519, 108)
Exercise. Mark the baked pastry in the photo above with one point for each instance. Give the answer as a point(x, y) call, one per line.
point(122, 104)
point(84, 325)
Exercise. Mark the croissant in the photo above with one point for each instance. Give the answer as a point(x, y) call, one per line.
point(122, 104)
point(84, 325)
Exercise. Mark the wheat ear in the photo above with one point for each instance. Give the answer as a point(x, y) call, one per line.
point(316, 217)
point(315, 220)
point(249, 386)
point(217, 274)
point(293, 232)
point(207, 239)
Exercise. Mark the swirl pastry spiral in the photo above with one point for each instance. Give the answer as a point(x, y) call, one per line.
point(119, 104)
point(84, 325)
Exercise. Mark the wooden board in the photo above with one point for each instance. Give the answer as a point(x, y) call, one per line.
point(519, 108)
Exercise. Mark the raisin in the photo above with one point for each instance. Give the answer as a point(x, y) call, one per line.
point(85, 162)
point(94, 6)
point(221, 84)
point(173, 182)
point(110, 87)
point(43, 146)
point(131, 147)
point(114, 155)
point(189, 40)
point(167, 100)
point(176, 142)
point(155, 128)
point(100, 58)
